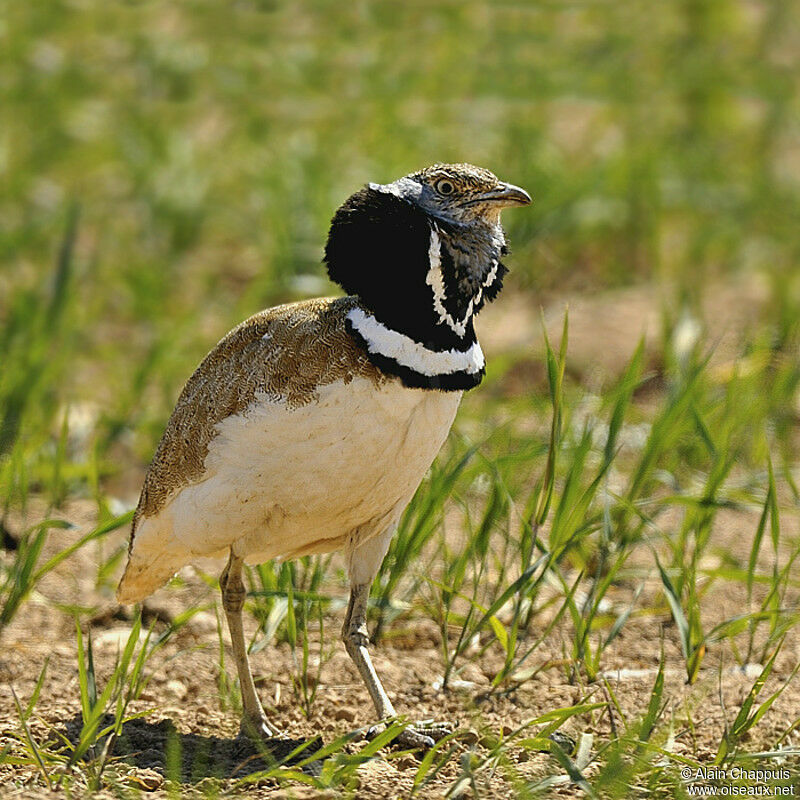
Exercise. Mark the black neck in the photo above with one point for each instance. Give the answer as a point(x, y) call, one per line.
point(378, 249)
point(382, 248)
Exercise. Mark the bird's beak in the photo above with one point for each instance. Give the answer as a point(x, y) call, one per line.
point(506, 194)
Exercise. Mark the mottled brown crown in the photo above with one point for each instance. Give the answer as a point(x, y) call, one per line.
point(466, 179)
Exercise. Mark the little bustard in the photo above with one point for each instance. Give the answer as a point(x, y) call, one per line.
point(308, 428)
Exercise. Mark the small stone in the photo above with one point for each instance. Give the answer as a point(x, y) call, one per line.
point(468, 736)
point(203, 622)
point(114, 638)
point(344, 714)
point(148, 780)
point(177, 689)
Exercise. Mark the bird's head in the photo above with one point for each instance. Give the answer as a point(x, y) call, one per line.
point(423, 253)
point(460, 194)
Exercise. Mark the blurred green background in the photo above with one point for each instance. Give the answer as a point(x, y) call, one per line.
point(169, 168)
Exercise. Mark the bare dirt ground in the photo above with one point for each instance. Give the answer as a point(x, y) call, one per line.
point(183, 694)
point(183, 699)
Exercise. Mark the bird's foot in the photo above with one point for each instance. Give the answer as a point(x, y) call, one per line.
point(258, 729)
point(420, 735)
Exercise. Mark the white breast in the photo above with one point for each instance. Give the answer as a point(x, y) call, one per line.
point(285, 482)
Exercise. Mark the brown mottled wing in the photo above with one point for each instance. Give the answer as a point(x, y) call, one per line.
point(286, 352)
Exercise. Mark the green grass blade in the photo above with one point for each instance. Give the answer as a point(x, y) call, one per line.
point(654, 706)
point(32, 747)
point(571, 768)
point(627, 385)
point(674, 602)
point(100, 530)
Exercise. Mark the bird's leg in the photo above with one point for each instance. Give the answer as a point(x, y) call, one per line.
point(254, 720)
point(356, 639)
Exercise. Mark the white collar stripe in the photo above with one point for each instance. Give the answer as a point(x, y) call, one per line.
point(435, 280)
point(490, 278)
point(412, 355)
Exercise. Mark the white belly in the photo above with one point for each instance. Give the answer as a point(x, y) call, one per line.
point(285, 482)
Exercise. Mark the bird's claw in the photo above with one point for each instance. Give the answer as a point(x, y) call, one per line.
point(257, 729)
point(419, 735)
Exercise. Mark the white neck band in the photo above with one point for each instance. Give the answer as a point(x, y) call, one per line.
point(412, 355)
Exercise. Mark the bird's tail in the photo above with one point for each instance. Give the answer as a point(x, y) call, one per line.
point(143, 576)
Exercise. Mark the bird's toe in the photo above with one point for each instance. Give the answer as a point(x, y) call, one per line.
point(435, 728)
point(413, 738)
point(420, 735)
point(257, 729)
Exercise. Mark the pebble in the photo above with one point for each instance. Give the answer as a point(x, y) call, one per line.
point(468, 736)
point(344, 713)
point(147, 780)
point(406, 762)
point(177, 689)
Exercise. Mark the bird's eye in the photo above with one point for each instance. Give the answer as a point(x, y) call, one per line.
point(444, 186)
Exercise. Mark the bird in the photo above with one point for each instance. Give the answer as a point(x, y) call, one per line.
point(308, 428)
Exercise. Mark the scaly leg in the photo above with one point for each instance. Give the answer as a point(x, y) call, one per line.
point(254, 720)
point(364, 562)
point(356, 640)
